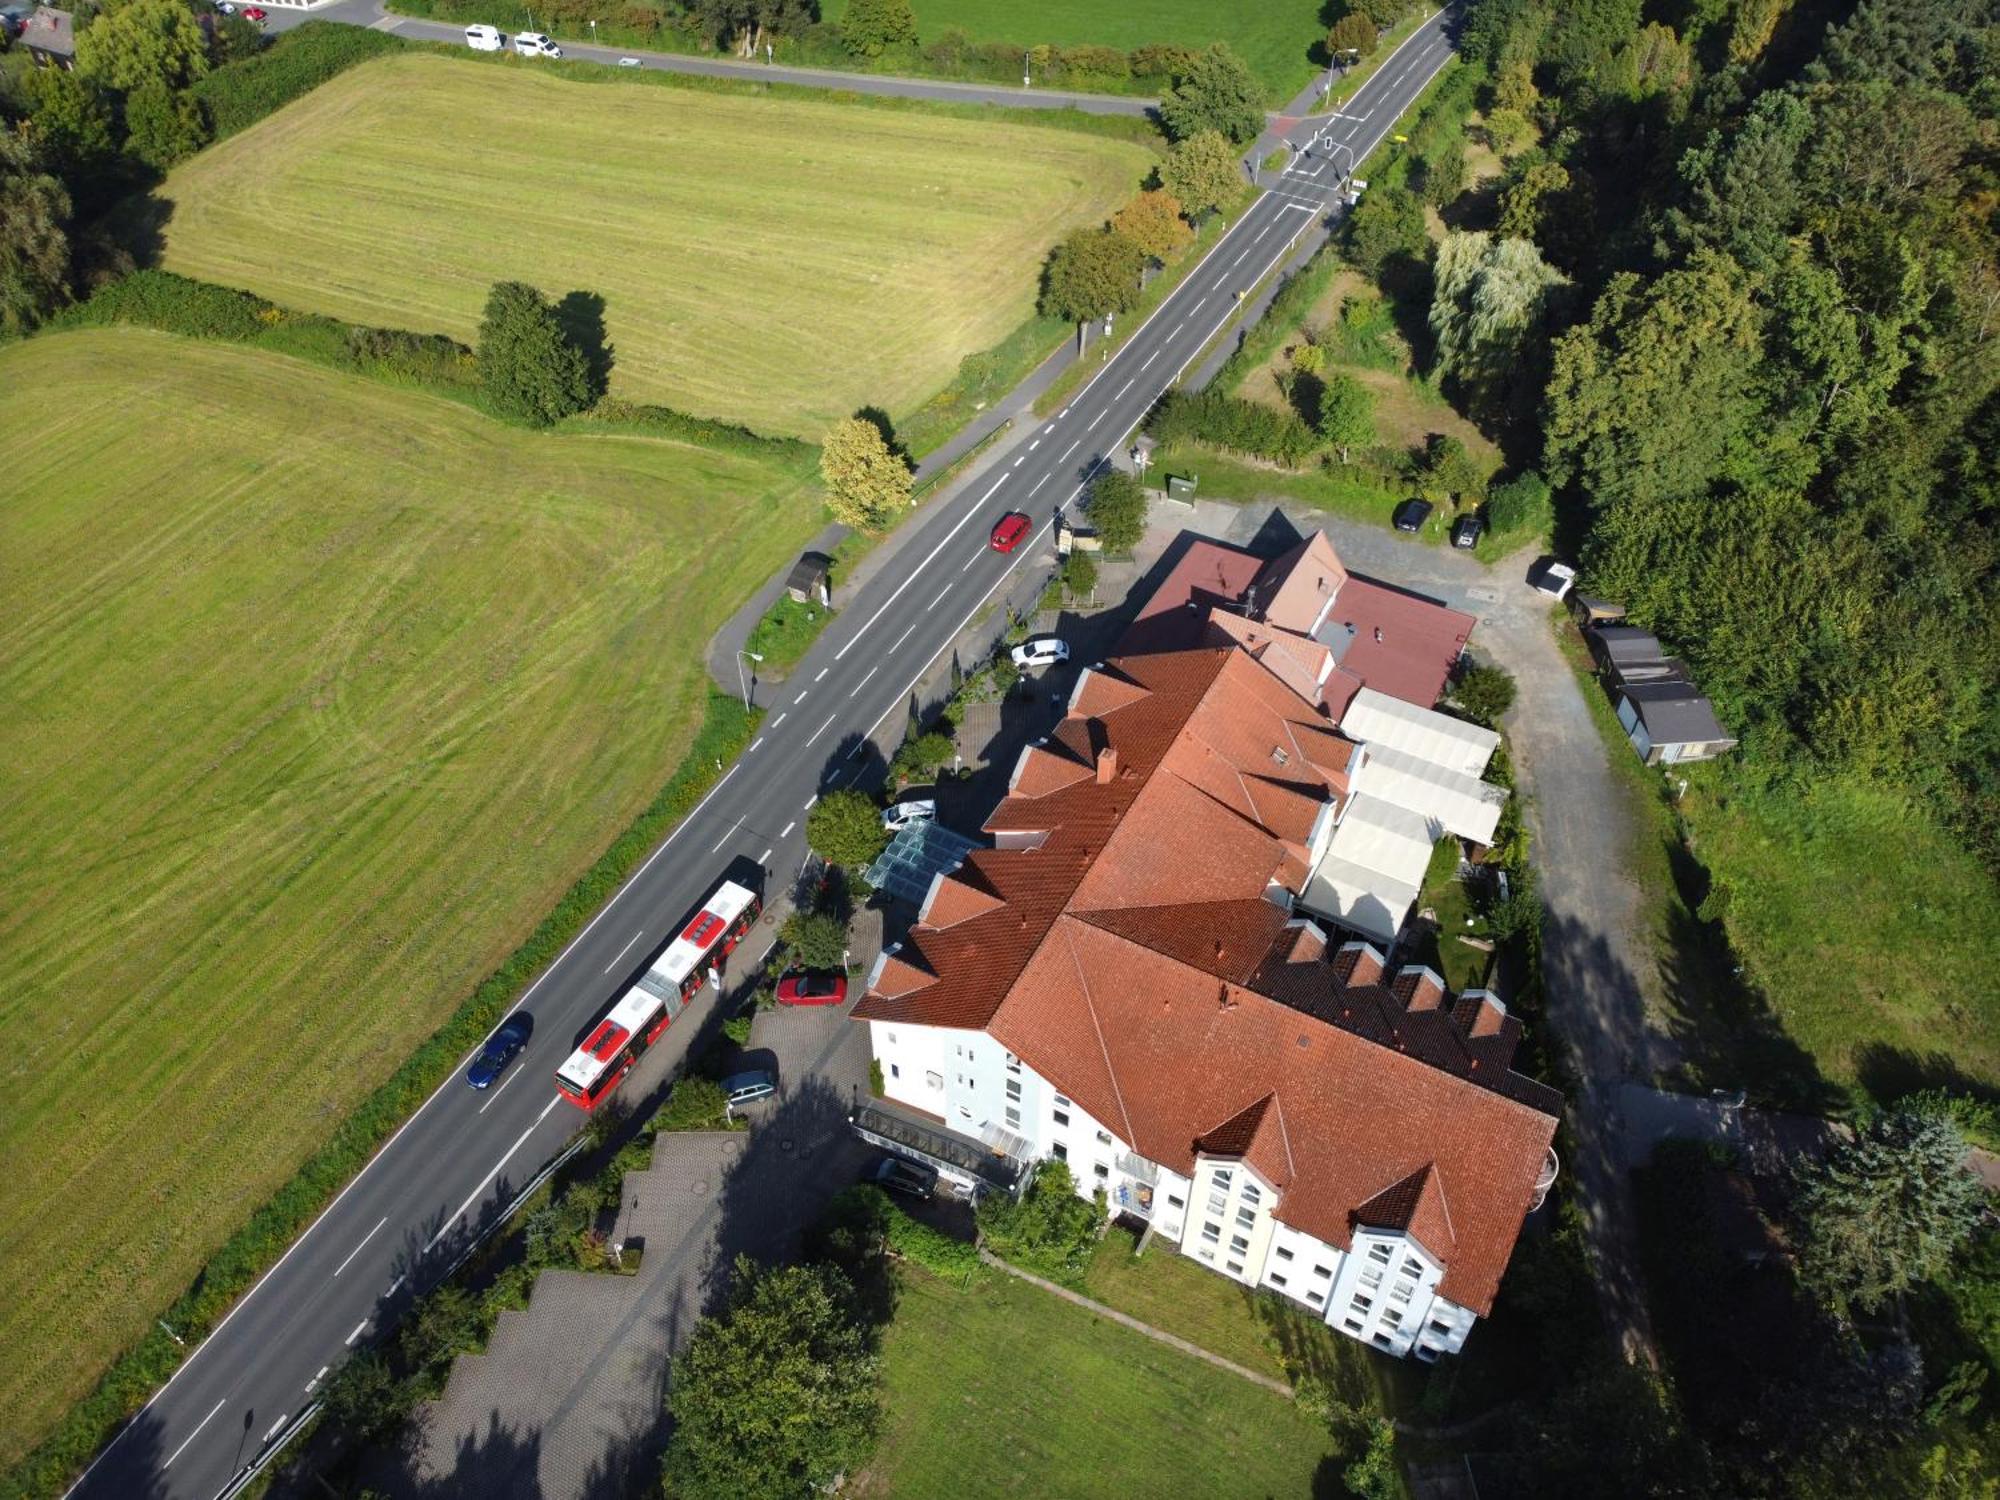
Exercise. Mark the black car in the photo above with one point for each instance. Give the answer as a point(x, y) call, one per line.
point(1411, 515)
point(500, 1049)
point(1467, 532)
point(900, 1175)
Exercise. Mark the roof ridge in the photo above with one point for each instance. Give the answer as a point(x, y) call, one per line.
point(1097, 1029)
point(1285, 1135)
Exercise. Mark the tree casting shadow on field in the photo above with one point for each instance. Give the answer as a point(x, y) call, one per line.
point(581, 315)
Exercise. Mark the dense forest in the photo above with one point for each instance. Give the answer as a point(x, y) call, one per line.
point(1775, 416)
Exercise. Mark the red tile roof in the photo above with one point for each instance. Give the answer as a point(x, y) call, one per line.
point(1136, 954)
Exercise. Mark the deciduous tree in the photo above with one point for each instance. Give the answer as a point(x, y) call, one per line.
point(1386, 233)
point(162, 126)
point(818, 939)
point(527, 365)
point(1117, 509)
point(1525, 197)
point(1346, 414)
point(146, 41)
point(1521, 505)
point(1489, 311)
point(1218, 92)
point(867, 485)
point(34, 236)
point(1090, 274)
point(775, 1395)
point(1886, 1211)
point(1153, 222)
point(1353, 32)
point(1203, 173)
point(845, 827)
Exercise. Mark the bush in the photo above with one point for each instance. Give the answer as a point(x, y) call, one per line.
point(239, 94)
point(872, 27)
point(1079, 576)
point(1234, 424)
point(817, 940)
point(1048, 1229)
point(922, 755)
point(1522, 504)
point(431, 358)
point(1160, 60)
point(1485, 692)
point(942, 1254)
point(527, 364)
point(696, 1103)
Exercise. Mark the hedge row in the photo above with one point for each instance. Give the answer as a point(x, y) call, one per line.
point(664, 421)
point(725, 729)
point(241, 93)
point(1233, 424)
point(1283, 319)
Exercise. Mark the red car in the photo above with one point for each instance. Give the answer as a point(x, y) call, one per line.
point(805, 987)
point(255, 13)
point(1007, 533)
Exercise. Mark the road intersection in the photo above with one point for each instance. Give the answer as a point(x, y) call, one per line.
point(465, 1156)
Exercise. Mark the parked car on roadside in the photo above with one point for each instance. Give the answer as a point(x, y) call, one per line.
point(501, 1048)
point(1411, 515)
point(903, 814)
point(631, 62)
point(1009, 531)
point(898, 1174)
point(256, 13)
point(534, 44)
point(1040, 651)
point(1467, 532)
point(483, 38)
point(813, 987)
point(1552, 578)
point(746, 1088)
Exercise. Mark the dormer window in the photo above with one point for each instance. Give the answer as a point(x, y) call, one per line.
point(1279, 757)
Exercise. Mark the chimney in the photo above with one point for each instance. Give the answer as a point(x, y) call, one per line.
point(1107, 765)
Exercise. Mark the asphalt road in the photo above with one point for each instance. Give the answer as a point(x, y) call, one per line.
point(464, 1155)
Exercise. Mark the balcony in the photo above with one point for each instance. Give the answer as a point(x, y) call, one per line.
point(948, 1152)
point(1138, 1168)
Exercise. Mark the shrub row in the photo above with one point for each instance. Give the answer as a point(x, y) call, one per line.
point(1233, 424)
point(725, 729)
point(240, 93)
point(1282, 320)
point(664, 421)
point(172, 304)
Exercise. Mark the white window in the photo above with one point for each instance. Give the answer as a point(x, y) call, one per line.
point(1235, 1267)
point(1223, 1177)
point(1103, 1137)
point(1211, 1231)
point(1412, 1269)
point(1061, 1115)
point(1175, 1200)
point(1218, 1203)
point(1250, 1193)
point(1013, 1064)
point(935, 1080)
point(1013, 1118)
point(895, 1070)
point(1440, 1327)
point(1059, 1151)
point(1061, 1102)
point(1101, 1170)
point(1284, 1254)
point(1350, 1325)
point(1384, 1340)
point(1208, 1255)
point(1014, 1089)
point(1392, 1317)
point(1277, 1280)
point(1362, 1304)
point(1379, 1253)
point(1246, 1217)
point(1322, 1272)
point(964, 1113)
point(1400, 1292)
point(1315, 1298)
point(1371, 1279)
point(1240, 1244)
point(892, 1037)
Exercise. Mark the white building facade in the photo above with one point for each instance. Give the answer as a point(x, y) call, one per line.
point(1383, 1290)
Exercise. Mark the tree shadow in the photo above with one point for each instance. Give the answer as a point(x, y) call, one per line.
point(1891, 1073)
point(880, 420)
point(132, 1466)
point(581, 315)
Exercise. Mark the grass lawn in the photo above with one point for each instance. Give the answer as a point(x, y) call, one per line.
point(306, 724)
point(786, 633)
point(778, 262)
point(1003, 1389)
point(1275, 37)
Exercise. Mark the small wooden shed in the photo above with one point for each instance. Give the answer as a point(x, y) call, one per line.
point(808, 581)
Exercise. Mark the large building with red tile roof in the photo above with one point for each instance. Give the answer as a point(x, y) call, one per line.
point(1127, 981)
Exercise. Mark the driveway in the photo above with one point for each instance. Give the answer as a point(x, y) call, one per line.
point(1596, 952)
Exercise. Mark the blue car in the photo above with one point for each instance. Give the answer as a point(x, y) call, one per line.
point(499, 1050)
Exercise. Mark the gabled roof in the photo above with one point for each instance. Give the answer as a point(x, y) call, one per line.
point(1296, 588)
point(1675, 714)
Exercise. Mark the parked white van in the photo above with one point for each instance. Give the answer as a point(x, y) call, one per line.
point(534, 44)
point(484, 38)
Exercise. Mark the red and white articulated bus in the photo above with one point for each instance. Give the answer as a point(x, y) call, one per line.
point(662, 993)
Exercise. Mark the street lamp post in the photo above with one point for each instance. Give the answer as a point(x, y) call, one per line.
point(742, 678)
point(1026, 81)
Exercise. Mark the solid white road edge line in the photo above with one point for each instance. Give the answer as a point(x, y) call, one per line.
point(487, 1181)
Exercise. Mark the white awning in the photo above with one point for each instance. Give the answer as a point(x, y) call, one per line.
point(1373, 869)
point(1377, 719)
point(1460, 804)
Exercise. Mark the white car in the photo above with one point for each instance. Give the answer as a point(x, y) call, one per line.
point(631, 62)
point(1556, 579)
point(483, 38)
point(1040, 651)
point(534, 44)
point(903, 814)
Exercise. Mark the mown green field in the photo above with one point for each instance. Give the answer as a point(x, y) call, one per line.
point(315, 694)
point(1274, 37)
point(775, 262)
point(1004, 1389)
